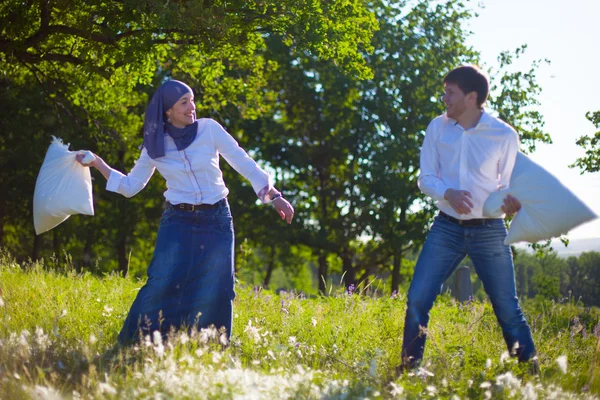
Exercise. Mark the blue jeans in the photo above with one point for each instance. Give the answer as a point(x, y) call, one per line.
point(445, 247)
point(191, 275)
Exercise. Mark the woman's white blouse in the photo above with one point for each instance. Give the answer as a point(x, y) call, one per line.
point(193, 175)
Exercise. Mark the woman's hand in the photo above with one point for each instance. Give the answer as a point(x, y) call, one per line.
point(284, 209)
point(86, 158)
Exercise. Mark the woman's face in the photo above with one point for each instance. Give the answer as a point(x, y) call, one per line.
point(183, 113)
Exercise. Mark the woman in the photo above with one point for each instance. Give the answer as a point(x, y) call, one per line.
point(191, 275)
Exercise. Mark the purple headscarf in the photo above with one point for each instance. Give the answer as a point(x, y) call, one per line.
point(155, 124)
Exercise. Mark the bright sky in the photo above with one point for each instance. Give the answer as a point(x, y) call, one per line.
point(566, 33)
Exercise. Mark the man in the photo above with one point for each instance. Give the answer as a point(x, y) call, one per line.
point(466, 155)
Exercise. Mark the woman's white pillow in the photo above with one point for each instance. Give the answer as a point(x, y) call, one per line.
point(63, 188)
point(548, 208)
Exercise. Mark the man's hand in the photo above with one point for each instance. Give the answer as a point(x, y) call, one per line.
point(459, 200)
point(511, 205)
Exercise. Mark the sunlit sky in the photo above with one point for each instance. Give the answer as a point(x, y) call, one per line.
point(566, 33)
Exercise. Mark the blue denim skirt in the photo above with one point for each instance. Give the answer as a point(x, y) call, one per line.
point(191, 275)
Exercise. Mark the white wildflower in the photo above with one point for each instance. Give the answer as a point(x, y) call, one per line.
point(487, 394)
point(43, 392)
point(470, 382)
point(562, 363)
point(107, 311)
point(216, 357)
point(424, 373)
point(504, 357)
point(17, 376)
point(455, 397)
point(397, 390)
point(445, 382)
point(508, 380)
point(485, 385)
point(41, 338)
point(93, 339)
point(157, 337)
point(292, 340)
point(314, 322)
point(271, 354)
point(159, 348)
point(488, 363)
point(63, 313)
point(106, 388)
point(528, 392)
point(223, 339)
point(431, 389)
point(24, 338)
point(253, 332)
point(184, 338)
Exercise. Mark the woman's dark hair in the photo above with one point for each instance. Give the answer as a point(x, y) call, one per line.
point(469, 79)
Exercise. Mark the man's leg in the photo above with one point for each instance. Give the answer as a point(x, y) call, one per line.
point(442, 252)
point(493, 262)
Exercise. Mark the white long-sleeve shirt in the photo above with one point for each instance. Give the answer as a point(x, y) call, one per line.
point(479, 160)
point(193, 175)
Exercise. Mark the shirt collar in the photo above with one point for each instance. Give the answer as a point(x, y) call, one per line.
point(484, 121)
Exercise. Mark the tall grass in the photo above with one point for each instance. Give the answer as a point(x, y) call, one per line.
point(59, 329)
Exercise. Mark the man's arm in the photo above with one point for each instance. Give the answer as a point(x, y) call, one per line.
point(429, 178)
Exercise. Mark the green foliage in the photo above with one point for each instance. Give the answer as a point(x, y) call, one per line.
point(59, 327)
point(334, 95)
point(83, 71)
point(514, 95)
point(591, 144)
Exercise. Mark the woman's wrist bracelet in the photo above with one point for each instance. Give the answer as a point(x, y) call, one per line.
point(275, 196)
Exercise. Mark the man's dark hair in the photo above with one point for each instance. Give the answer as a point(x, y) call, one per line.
point(469, 79)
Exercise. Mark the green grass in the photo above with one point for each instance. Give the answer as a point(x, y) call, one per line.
point(59, 328)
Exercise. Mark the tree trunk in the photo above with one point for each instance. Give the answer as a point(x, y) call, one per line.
point(122, 252)
point(397, 261)
point(37, 244)
point(56, 246)
point(348, 270)
point(322, 271)
point(122, 234)
point(88, 255)
point(270, 266)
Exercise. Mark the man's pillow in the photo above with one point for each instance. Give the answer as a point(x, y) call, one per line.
point(63, 188)
point(548, 208)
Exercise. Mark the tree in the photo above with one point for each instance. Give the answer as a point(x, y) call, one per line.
point(91, 66)
point(591, 162)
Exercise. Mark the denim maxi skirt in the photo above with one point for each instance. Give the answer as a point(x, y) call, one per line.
point(191, 275)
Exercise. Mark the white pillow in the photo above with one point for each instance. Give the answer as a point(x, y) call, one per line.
point(63, 188)
point(548, 208)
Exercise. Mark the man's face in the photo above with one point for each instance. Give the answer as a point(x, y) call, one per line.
point(455, 100)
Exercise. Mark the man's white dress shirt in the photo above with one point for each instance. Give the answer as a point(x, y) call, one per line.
point(193, 175)
point(479, 160)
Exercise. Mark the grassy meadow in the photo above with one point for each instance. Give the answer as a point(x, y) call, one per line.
point(59, 329)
